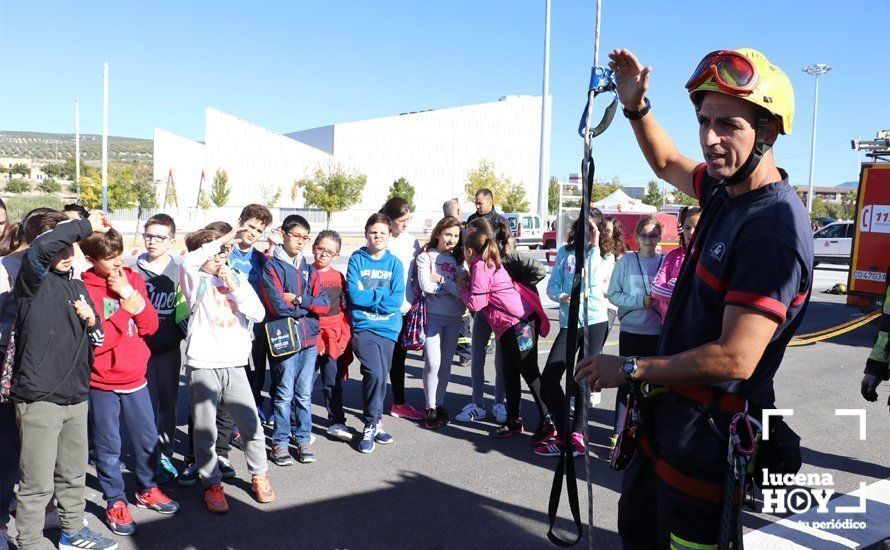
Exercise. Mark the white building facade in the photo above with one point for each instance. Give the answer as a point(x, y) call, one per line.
point(434, 150)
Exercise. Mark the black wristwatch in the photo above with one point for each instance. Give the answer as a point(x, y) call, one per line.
point(629, 369)
point(637, 115)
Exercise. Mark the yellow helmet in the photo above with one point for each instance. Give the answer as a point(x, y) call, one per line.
point(747, 74)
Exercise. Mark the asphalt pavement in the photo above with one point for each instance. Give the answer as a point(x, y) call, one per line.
point(457, 487)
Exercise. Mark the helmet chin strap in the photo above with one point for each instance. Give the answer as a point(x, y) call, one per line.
point(761, 147)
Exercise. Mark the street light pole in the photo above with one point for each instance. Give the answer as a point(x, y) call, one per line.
point(816, 69)
point(544, 159)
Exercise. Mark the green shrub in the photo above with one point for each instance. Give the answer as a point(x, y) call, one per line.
point(49, 186)
point(19, 205)
point(17, 186)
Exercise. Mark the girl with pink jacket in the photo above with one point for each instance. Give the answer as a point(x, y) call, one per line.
point(517, 318)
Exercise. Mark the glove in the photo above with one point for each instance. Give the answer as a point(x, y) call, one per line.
point(869, 387)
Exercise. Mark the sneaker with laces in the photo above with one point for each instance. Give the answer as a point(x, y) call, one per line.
point(366, 445)
point(280, 455)
point(471, 412)
point(85, 538)
point(406, 411)
point(295, 443)
point(545, 432)
point(155, 499)
point(225, 467)
point(500, 413)
point(340, 431)
point(554, 447)
point(380, 435)
point(509, 428)
point(431, 420)
point(305, 454)
point(262, 489)
point(165, 472)
point(443, 416)
point(215, 499)
point(119, 520)
point(189, 476)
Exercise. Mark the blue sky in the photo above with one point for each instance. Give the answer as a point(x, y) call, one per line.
point(294, 65)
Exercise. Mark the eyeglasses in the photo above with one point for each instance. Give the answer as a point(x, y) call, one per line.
point(649, 236)
point(298, 236)
point(152, 238)
point(733, 72)
point(324, 252)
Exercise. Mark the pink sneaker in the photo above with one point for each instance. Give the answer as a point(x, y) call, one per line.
point(406, 411)
point(554, 447)
point(578, 444)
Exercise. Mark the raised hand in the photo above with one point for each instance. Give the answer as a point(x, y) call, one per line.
point(227, 276)
point(631, 77)
point(99, 222)
point(117, 281)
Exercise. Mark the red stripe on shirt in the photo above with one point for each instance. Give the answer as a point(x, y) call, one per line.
point(710, 279)
point(800, 298)
point(698, 180)
point(758, 302)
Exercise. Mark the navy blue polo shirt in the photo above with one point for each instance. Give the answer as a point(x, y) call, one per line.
point(755, 251)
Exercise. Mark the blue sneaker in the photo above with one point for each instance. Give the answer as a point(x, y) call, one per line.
point(85, 539)
point(381, 436)
point(165, 472)
point(366, 445)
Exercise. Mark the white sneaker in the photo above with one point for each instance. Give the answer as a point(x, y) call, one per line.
point(339, 431)
point(500, 412)
point(471, 412)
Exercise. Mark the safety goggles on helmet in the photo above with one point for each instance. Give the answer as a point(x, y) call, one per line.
point(733, 72)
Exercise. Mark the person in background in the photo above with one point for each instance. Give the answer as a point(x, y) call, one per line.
point(287, 292)
point(452, 208)
point(666, 279)
point(594, 326)
point(404, 247)
point(484, 201)
point(877, 366)
point(218, 344)
point(439, 265)
point(249, 261)
point(335, 339)
point(75, 211)
point(55, 327)
point(159, 270)
point(4, 218)
point(221, 226)
point(630, 289)
point(118, 388)
point(376, 293)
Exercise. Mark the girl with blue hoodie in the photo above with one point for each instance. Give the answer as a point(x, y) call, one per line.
point(376, 291)
point(594, 326)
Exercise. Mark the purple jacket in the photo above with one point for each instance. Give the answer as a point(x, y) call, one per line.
point(492, 292)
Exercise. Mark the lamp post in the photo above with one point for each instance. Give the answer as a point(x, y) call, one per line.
point(816, 69)
point(544, 158)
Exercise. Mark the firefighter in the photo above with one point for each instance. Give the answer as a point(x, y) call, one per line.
point(739, 299)
point(877, 367)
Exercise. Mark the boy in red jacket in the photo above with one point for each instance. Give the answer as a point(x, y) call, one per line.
point(118, 388)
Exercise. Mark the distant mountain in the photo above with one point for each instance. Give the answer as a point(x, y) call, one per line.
point(45, 146)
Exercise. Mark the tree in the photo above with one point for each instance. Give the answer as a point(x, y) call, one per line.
point(49, 186)
point(332, 190)
point(602, 190)
point(21, 169)
point(515, 199)
point(54, 170)
point(18, 186)
point(553, 196)
point(129, 185)
point(849, 202)
point(203, 202)
point(220, 190)
point(269, 195)
point(508, 196)
point(683, 199)
point(402, 188)
point(653, 196)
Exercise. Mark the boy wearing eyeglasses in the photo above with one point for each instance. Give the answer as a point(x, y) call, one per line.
point(161, 274)
point(335, 339)
point(287, 293)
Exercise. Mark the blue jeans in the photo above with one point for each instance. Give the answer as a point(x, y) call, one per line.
point(374, 352)
point(294, 381)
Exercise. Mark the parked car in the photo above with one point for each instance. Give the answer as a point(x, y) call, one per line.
point(527, 228)
point(833, 244)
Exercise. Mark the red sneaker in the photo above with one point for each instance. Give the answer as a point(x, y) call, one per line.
point(119, 520)
point(154, 499)
point(215, 499)
point(406, 411)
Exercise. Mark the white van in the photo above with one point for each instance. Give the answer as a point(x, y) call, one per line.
point(527, 229)
point(833, 244)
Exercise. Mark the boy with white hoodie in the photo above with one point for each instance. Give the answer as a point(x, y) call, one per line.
point(223, 307)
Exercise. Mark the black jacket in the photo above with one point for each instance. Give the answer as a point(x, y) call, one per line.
point(493, 216)
point(48, 331)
